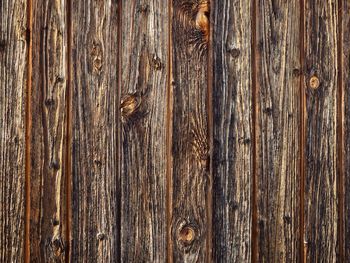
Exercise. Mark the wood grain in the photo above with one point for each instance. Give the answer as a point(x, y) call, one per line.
point(48, 118)
point(321, 214)
point(190, 143)
point(232, 131)
point(277, 130)
point(345, 121)
point(143, 109)
point(13, 86)
point(95, 96)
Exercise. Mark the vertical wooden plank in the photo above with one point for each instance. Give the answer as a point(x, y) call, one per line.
point(94, 84)
point(190, 143)
point(278, 130)
point(321, 214)
point(345, 122)
point(232, 131)
point(48, 118)
point(143, 120)
point(13, 86)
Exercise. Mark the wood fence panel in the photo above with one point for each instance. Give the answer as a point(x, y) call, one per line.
point(232, 131)
point(174, 131)
point(190, 188)
point(95, 107)
point(321, 200)
point(13, 87)
point(278, 130)
point(48, 132)
point(144, 71)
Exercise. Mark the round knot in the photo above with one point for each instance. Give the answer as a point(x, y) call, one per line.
point(187, 235)
point(130, 105)
point(314, 82)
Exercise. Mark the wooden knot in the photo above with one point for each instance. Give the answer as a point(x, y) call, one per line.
point(49, 102)
point(187, 235)
point(57, 246)
point(202, 19)
point(98, 163)
point(96, 54)
point(234, 52)
point(296, 72)
point(59, 79)
point(55, 165)
point(101, 236)
point(129, 106)
point(55, 222)
point(314, 82)
point(156, 63)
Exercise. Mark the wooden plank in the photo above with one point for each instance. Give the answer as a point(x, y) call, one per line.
point(190, 141)
point(232, 131)
point(143, 107)
point(278, 130)
point(345, 121)
point(321, 214)
point(48, 118)
point(95, 95)
point(13, 86)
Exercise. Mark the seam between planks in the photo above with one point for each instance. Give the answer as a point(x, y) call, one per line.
point(169, 137)
point(340, 136)
point(254, 234)
point(68, 157)
point(28, 126)
point(302, 246)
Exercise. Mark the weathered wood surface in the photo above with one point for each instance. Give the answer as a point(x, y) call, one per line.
point(232, 131)
point(277, 130)
point(143, 109)
point(95, 106)
point(13, 87)
point(321, 65)
point(190, 142)
point(174, 131)
point(48, 132)
point(344, 183)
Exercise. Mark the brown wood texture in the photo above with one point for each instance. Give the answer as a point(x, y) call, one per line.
point(321, 65)
point(48, 132)
point(13, 86)
point(345, 88)
point(143, 109)
point(232, 131)
point(174, 131)
point(94, 88)
point(277, 130)
point(190, 142)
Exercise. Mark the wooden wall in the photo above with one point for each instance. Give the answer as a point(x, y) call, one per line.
point(174, 131)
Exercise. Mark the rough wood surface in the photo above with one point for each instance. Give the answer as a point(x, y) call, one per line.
point(48, 118)
point(321, 214)
point(175, 131)
point(143, 110)
point(278, 130)
point(345, 89)
point(94, 86)
point(13, 86)
point(190, 144)
point(232, 131)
